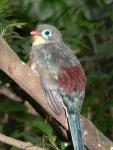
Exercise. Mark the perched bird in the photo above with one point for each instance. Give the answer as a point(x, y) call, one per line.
point(61, 75)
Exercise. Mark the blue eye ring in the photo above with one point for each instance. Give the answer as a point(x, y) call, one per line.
point(46, 33)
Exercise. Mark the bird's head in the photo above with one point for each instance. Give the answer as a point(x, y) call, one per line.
point(46, 34)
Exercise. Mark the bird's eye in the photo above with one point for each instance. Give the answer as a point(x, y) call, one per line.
point(46, 33)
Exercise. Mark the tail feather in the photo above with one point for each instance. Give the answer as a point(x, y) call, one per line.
point(76, 134)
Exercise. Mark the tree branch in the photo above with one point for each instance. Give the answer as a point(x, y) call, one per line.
point(29, 81)
point(25, 78)
point(93, 138)
point(18, 143)
point(9, 94)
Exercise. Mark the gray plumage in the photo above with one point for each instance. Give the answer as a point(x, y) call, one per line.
point(61, 75)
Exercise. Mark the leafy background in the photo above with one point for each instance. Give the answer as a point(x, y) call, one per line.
point(87, 28)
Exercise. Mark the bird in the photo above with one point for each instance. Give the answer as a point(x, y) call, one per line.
point(62, 77)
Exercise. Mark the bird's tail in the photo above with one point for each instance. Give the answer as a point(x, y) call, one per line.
point(76, 134)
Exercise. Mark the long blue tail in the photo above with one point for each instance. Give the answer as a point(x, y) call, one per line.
point(76, 134)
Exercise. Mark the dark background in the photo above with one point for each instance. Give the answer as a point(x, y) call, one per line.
point(87, 27)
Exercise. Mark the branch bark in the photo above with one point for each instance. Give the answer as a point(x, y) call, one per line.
point(18, 143)
point(93, 138)
point(9, 94)
point(29, 81)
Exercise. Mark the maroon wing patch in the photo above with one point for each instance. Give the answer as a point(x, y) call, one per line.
point(72, 79)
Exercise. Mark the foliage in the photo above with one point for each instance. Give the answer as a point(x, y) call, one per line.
point(87, 26)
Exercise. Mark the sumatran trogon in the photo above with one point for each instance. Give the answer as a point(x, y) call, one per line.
point(61, 75)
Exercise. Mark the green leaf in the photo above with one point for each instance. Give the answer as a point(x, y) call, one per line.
point(16, 24)
point(44, 127)
point(14, 148)
point(63, 145)
point(106, 106)
point(8, 106)
point(5, 29)
point(46, 10)
point(105, 49)
point(3, 5)
point(27, 118)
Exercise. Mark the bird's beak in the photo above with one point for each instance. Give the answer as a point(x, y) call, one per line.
point(35, 33)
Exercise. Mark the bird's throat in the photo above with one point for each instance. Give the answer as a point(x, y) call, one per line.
point(39, 40)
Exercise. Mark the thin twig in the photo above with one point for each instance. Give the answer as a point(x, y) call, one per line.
point(9, 94)
point(18, 143)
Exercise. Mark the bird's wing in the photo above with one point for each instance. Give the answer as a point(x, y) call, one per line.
point(51, 93)
point(72, 79)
